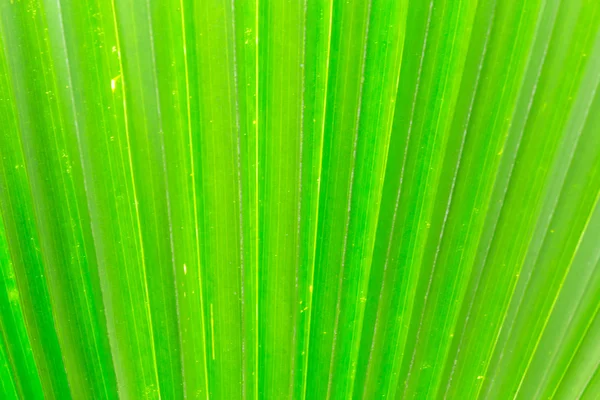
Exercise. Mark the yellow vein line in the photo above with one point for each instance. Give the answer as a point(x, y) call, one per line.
point(212, 333)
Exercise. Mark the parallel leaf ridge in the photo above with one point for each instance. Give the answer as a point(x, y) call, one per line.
point(309, 199)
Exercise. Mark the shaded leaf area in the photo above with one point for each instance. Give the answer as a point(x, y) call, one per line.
point(299, 199)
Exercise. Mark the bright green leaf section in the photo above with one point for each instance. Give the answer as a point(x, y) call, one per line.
point(314, 199)
point(360, 104)
point(16, 348)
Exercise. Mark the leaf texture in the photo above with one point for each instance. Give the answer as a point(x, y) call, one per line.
point(319, 199)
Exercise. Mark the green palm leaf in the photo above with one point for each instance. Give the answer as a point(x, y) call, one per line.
point(299, 199)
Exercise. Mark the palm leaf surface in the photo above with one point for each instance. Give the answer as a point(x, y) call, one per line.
point(299, 199)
